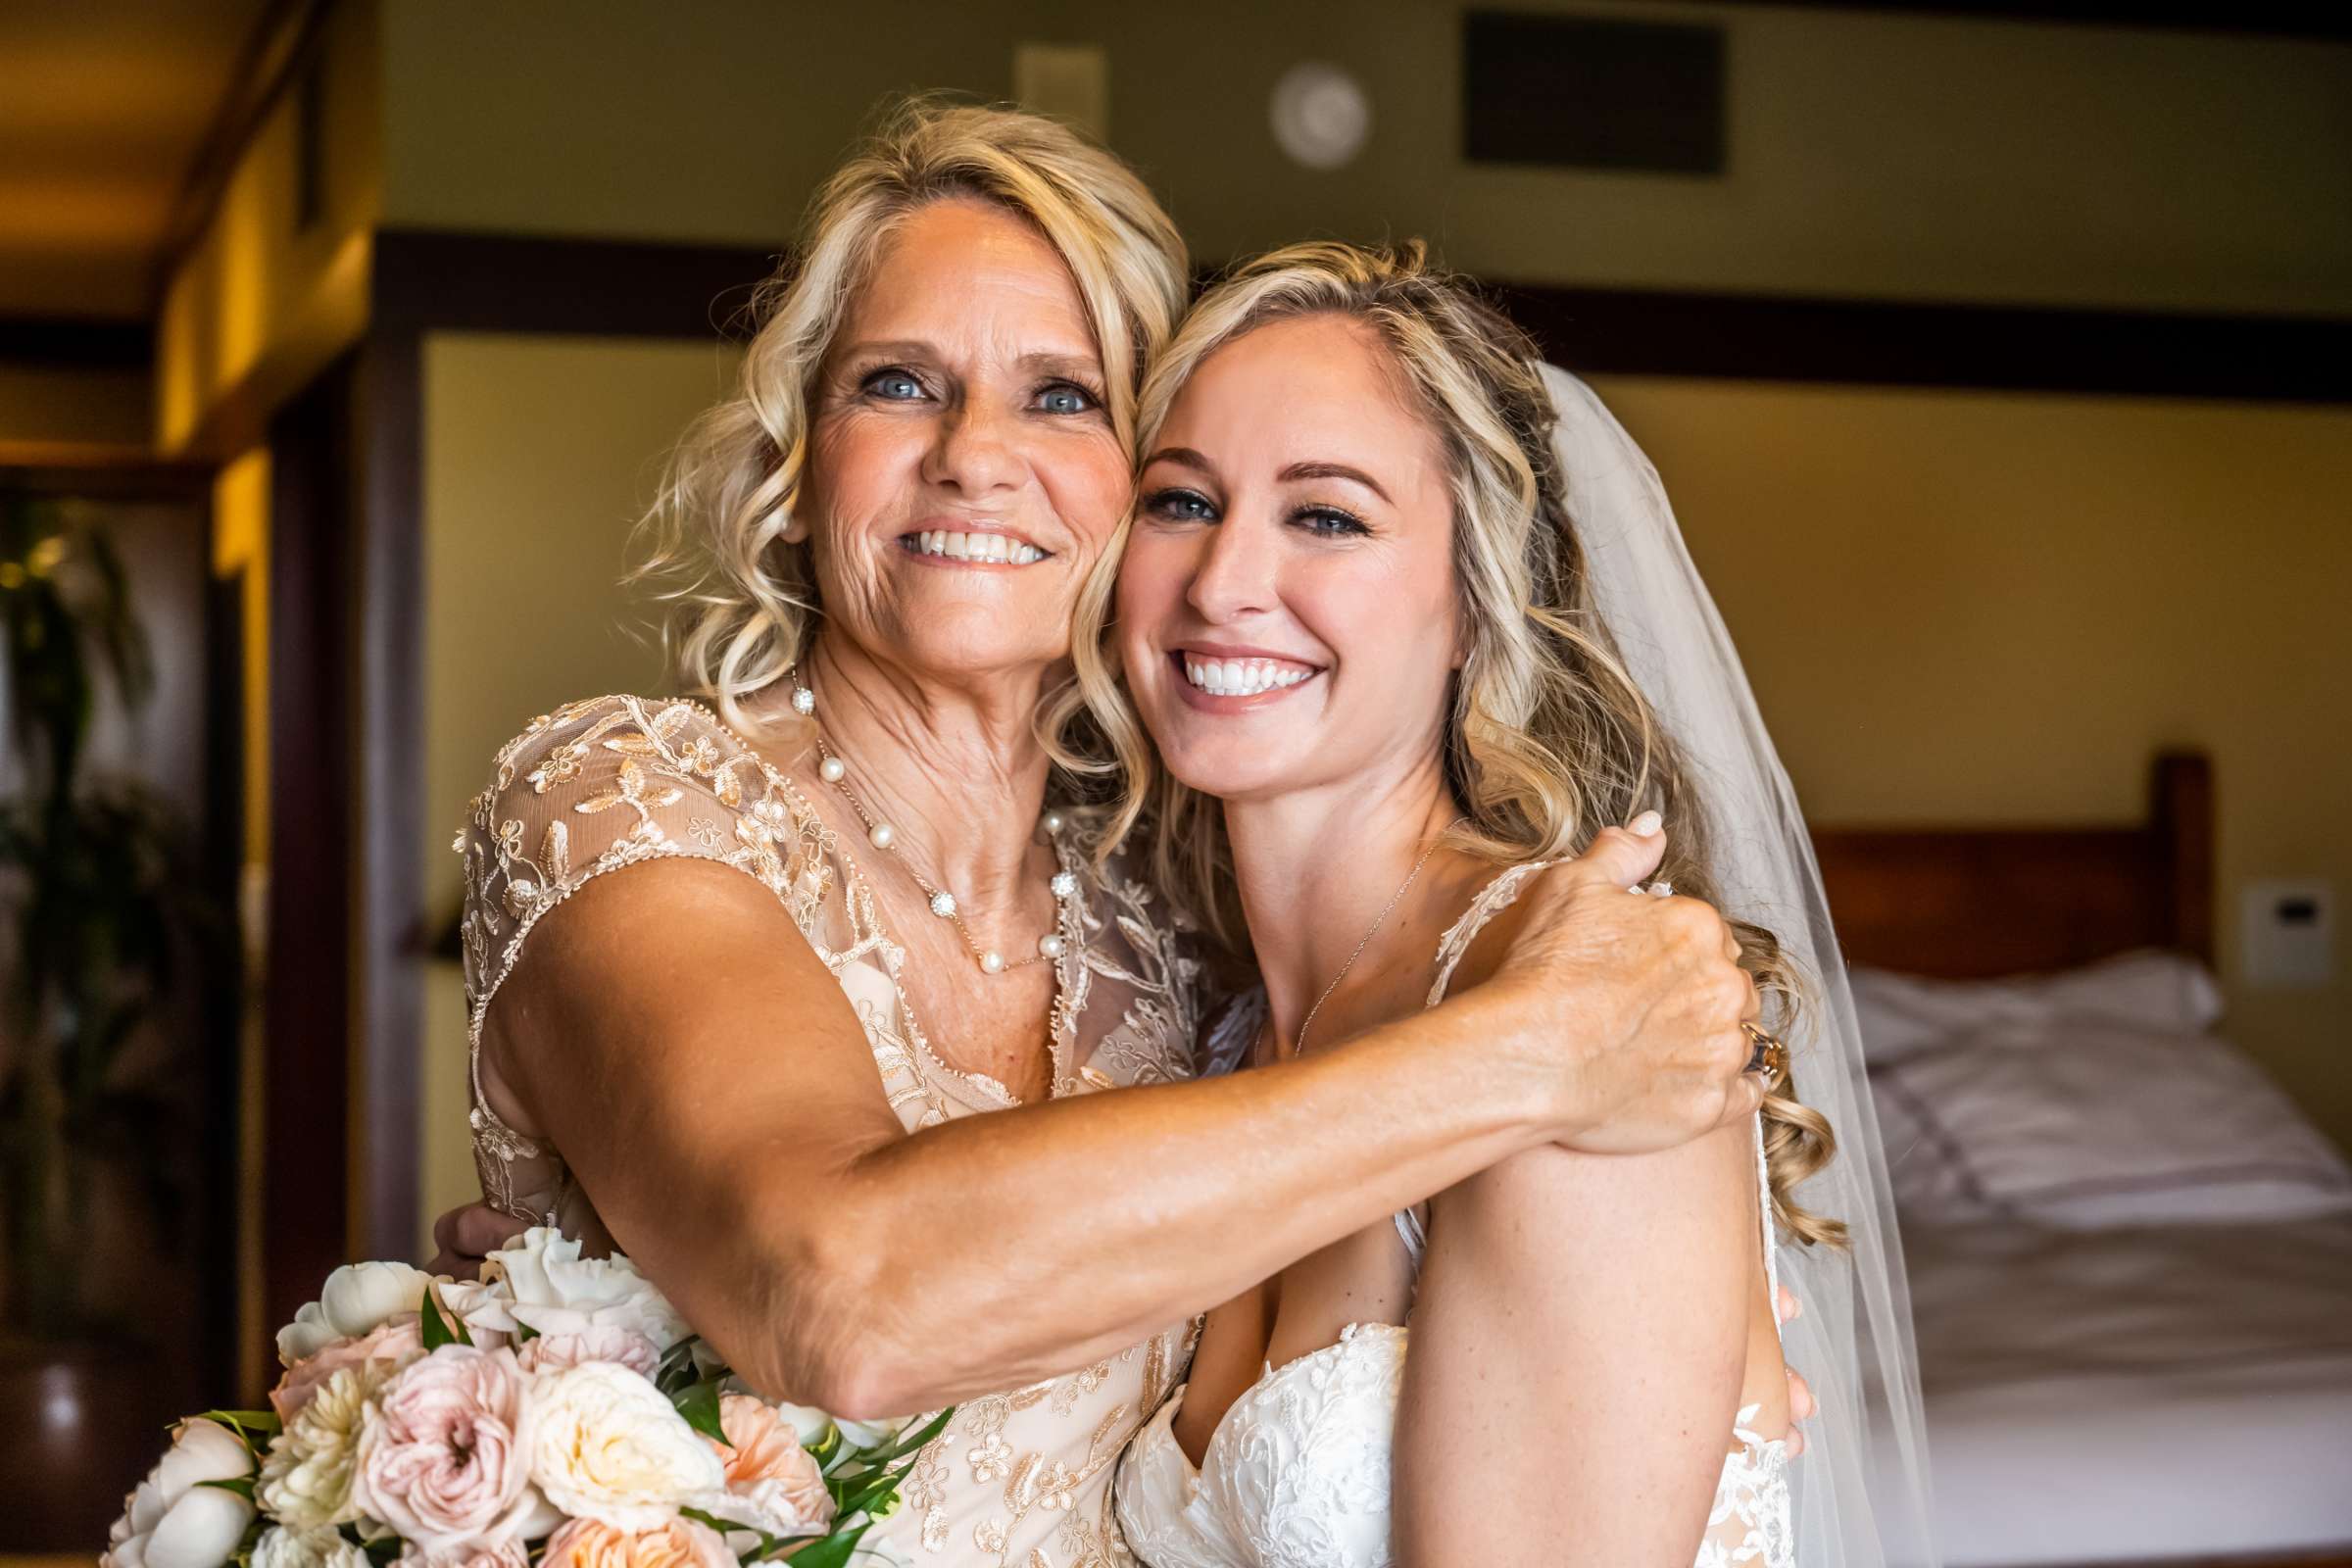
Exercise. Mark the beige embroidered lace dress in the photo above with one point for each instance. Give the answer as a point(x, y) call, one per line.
point(1020, 1478)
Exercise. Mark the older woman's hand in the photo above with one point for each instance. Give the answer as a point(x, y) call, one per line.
point(1647, 990)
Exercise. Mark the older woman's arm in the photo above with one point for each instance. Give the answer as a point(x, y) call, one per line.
point(714, 1093)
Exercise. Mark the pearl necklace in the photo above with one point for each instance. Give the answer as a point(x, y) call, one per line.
point(882, 836)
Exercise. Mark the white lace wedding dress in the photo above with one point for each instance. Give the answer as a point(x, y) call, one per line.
point(1296, 1474)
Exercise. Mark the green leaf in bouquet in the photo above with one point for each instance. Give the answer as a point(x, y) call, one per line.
point(676, 1372)
point(525, 1334)
point(902, 1446)
point(438, 1329)
point(831, 1552)
point(264, 1422)
point(242, 1486)
point(699, 1405)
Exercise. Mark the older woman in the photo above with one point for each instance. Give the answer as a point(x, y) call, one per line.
point(852, 922)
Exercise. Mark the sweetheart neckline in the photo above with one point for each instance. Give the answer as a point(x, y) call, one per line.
point(1267, 1381)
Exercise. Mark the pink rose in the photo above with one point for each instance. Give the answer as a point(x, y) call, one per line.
point(398, 1340)
point(511, 1554)
point(678, 1543)
point(596, 1342)
point(773, 1484)
point(444, 1455)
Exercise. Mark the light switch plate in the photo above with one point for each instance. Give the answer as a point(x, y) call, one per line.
point(1070, 82)
point(2287, 941)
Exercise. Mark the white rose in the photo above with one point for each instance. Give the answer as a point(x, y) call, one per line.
point(305, 1478)
point(172, 1520)
point(322, 1547)
point(809, 1420)
point(542, 1281)
point(357, 1299)
point(609, 1446)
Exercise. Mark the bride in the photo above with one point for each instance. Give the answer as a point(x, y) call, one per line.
point(1357, 614)
point(806, 999)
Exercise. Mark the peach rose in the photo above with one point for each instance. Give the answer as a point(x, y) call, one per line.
point(445, 1452)
point(396, 1341)
point(506, 1555)
point(679, 1543)
point(773, 1484)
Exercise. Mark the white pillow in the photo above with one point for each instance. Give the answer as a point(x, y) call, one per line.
point(2096, 1126)
point(2165, 993)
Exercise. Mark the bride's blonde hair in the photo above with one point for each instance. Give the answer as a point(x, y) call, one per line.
point(1548, 739)
point(741, 598)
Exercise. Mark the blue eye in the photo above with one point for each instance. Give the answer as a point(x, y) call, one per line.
point(1181, 506)
point(1063, 397)
point(1331, 521)
point(894, 386)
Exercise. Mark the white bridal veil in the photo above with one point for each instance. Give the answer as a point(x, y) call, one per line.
point(1860, 1487)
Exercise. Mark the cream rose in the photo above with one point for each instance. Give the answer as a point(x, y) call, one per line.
point(444, 1454)
point(307, 1477)
point(396, 1342)
point(607, 1446)
point(172, 1520)
point(323, 1547)
point(773, 1483)
point(678, 1543)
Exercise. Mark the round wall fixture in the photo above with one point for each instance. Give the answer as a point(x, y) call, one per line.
point(1322, 115)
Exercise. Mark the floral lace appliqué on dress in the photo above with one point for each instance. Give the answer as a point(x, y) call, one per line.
point(1020, 1479)
point(1298, 1472)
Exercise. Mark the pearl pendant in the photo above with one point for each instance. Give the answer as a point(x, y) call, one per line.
point(804, 700)
point(1054, 821)
point(831, 769)
point(991, 962)
point(943, 904)
point(1050, 946)
point(881, 835)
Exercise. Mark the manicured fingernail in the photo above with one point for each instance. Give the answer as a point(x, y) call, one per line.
point(1645, 824)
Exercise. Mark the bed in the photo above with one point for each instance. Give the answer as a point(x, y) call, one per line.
point(2149, 1363)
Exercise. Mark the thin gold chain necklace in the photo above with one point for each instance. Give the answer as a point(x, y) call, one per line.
point(1378, 921)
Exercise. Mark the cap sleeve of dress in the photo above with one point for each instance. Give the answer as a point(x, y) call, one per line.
point(614, 782)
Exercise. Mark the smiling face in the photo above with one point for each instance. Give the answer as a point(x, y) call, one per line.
point(963, 473)
point(1287, 604)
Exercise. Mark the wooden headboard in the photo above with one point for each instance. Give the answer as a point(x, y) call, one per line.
point(1972, 902)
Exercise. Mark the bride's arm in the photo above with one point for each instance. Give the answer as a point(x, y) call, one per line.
point(1585, 1332)
point(670, 1032)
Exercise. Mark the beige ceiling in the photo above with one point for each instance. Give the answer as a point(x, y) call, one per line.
point(103, 106)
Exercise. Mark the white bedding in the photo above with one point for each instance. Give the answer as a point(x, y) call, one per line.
point(2131, 1395)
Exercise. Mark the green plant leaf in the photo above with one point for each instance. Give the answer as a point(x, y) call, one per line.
point(262, 1421)
point(439, 1331)
point(831, 1552)
point(699, 1405)
point(242, 1486)
point(905, 1445)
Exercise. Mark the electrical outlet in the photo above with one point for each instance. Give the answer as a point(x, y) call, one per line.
point(2288, 938)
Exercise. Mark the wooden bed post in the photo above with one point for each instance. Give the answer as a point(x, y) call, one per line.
point(2182, 813)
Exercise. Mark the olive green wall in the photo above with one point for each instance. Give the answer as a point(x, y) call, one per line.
point(1872, 154)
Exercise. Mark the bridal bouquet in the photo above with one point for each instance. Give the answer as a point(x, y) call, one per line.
point(556, 1412)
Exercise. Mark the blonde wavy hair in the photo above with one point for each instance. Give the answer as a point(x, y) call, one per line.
point(740, 598)
point(1549, 738)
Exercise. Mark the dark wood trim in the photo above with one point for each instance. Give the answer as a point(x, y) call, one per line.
point(2185, 817)
point(1994, 347)
point(442, 280)
point(306, 988)
point(83, 343)
point(145, 480)
point(430, 280)
point(387, 819)
point(2292, 19)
